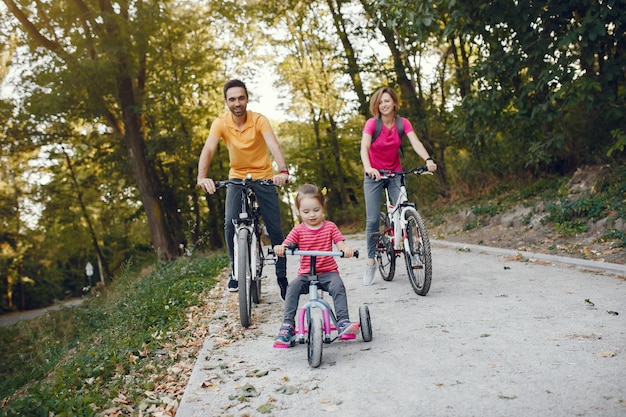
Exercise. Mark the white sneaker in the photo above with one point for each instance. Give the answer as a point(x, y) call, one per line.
point(370, 273)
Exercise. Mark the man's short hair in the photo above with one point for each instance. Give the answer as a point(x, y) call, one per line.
point(234, 83)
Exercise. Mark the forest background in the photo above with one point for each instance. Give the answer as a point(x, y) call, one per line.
point(106, 106)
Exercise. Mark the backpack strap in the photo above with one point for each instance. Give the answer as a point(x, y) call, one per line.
point(379, 127)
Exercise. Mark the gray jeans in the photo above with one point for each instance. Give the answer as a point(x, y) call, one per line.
point(373, 198)
point(270, 212)
point(328, 281)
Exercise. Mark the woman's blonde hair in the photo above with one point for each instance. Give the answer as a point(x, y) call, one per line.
point(376, 97)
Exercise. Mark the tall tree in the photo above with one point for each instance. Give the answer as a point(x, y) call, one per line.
point(85, 41)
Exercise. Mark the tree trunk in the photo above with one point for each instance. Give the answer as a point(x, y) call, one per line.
point(163, 239)
point(339, 176)
point(165, 234)
point(103, 264)
point(353, 68)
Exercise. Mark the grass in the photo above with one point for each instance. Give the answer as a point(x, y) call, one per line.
point(76, 361)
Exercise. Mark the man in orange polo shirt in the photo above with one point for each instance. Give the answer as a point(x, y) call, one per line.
point(248, 136)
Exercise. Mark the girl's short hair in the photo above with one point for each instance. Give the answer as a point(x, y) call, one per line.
point(376, 97)
point(310, 191)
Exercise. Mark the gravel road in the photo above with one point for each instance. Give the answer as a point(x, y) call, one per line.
point(501, 333)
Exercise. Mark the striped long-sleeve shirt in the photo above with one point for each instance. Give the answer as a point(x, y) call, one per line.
point(321, 239)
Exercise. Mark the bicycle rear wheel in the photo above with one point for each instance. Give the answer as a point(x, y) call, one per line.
point(418, 259)
point(385, 258)
point(244, 277)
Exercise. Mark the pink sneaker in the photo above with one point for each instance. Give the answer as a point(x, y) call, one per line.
point(348, 329)
point(286, 337)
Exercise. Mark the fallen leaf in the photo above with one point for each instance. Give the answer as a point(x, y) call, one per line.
point(265, 408)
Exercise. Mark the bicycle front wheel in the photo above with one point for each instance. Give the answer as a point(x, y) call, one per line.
point(244, 277)
point(255, 284)
point(419, 265)
point(385, 257)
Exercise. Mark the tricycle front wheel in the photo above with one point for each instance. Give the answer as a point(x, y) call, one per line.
point(315, 345)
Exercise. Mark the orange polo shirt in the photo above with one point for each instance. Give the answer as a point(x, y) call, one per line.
point(247, 149)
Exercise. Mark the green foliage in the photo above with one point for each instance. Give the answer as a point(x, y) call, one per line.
point(79, 354)
point(570, 215)
point(519, 90)
point(617, 236)
point(620, 142)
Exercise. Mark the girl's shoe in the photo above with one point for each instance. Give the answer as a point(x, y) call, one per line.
point(347, 329)
point(286, 337)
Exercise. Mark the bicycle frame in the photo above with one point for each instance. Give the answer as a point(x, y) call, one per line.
point(404, 233)
point(248, 220)
point(247, 246)
point(396, 215)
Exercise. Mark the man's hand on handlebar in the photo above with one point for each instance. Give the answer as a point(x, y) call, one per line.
point(207, 185)
point(280, 179)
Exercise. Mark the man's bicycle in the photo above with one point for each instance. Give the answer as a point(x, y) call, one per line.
point(402, 231)
point(249, 258)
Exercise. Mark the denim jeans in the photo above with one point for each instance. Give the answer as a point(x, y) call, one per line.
point(373, 198)
point(328, 281)
point(269, 207)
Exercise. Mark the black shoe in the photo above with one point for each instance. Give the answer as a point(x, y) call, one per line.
point(233, 285)
point(282, 283)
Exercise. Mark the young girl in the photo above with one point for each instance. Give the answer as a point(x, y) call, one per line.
point(317, 234)
point(382, 153)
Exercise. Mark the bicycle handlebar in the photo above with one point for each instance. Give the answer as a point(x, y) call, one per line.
point(238, 181)
point(420, 170)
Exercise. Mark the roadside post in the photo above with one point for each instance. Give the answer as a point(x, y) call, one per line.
point(89, 272)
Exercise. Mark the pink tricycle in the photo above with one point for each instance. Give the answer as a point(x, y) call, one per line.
point(318, 330)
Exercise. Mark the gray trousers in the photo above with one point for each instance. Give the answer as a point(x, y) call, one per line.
point(373, 198)
point(330, 282)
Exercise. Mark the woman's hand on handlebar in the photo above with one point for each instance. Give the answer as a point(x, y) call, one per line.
point(207, 185)
point(373, 173)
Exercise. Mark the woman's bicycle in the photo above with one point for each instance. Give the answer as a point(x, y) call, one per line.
point(249, 258)
point(402, 231)
point(313, 329)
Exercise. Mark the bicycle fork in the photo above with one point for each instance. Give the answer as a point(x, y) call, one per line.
point(252, 255)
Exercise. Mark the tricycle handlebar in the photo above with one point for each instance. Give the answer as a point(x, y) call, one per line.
point(292, 249)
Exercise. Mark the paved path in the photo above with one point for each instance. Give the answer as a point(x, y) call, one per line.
point(500, 334)
point(12, 318)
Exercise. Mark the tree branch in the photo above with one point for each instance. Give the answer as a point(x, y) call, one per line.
point(30, 28)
